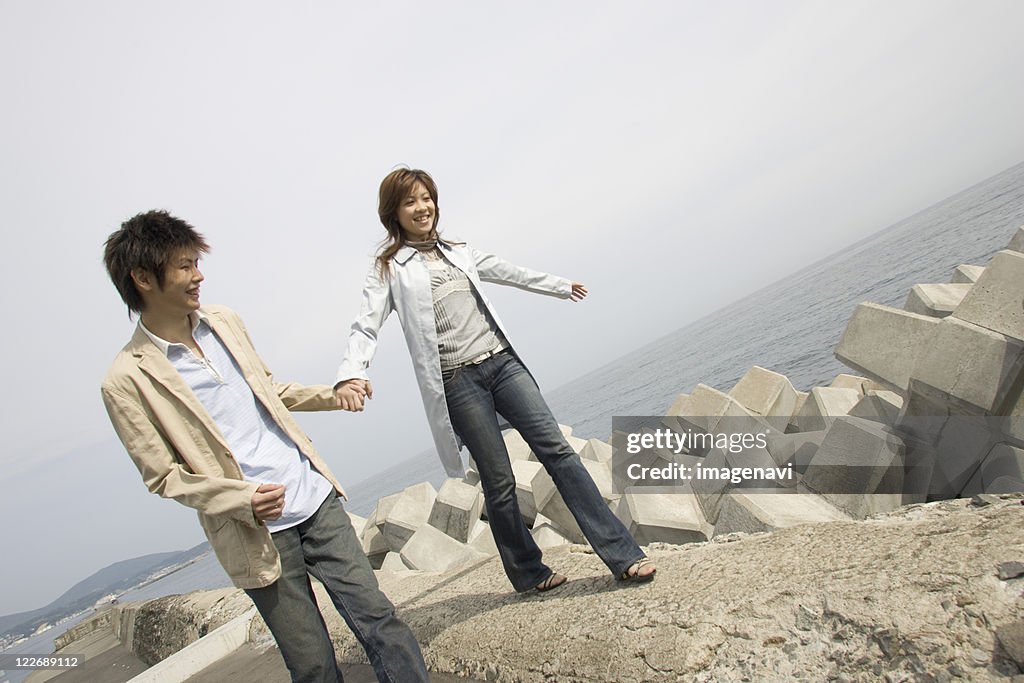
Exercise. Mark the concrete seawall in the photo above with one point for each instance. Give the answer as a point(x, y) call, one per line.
point(123, 640)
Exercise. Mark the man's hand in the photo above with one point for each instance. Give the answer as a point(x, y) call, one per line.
point(579, 292)
point(351, 393)
point(268, 502)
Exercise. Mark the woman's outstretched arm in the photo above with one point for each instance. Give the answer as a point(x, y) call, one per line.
point(491, 268)
point(352, 383)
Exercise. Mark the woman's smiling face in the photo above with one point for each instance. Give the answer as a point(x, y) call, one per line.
point(416, 214)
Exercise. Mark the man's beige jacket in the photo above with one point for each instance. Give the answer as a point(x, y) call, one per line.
point(181, 453)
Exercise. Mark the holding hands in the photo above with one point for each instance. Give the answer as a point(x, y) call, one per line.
point(351, 394)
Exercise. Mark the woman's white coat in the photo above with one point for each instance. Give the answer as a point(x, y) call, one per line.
point(407, 290)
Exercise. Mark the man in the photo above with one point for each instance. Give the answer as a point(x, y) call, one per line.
point(206, 425)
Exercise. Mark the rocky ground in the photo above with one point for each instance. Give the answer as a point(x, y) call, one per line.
point(929, 592)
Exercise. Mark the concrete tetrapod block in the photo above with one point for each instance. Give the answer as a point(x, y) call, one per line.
point(935, 300)
point(358, 523)
point(966, 274)
point(1017, 241)
point(996, 301)
point(1012, 427)
point(703, 408)
point(472, 477)
point(880, 406)
point(678, 405)
point(715, 412)
point(883, 343)
point(918, 471)
point(370, 521)
point(847, 381)
point(923, 417)
point(665, 517)
point(1004, 463)
point(601, 473)
point(958, 454)
point(647, 457)
point(823, 406)
point(801, 399)
point(858, 468)
point(767, 394)
point(525, 472)
point(481, 539)
point(383, 509)
point(551, 504)
point(921, 425)
point(456, 509)
point(708, 490)
point(1006, 485)
point(539, 484)
point(393, 563)
point(516, 446)
point(796, 449)
point(969, 367)
point(755, 511)
point(597, 451)
point(742, 431)
point(410, 512)
point(547, 535)
point(577, 443)
point(374, 545)
point(432, 550)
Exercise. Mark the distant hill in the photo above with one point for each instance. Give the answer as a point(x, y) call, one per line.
point(116, 578)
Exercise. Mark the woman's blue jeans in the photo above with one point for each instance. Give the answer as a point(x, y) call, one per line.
point(502, 384)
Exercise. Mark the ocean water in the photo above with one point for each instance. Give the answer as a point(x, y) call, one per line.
point(791, 327)
point(36, 645)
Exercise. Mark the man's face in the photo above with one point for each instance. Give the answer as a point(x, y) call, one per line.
point(180, 292)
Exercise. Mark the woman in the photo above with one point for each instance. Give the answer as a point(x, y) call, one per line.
point(467, 369)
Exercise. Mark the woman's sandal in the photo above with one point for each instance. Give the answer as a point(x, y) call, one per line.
point(554, 580)
point(635, 573)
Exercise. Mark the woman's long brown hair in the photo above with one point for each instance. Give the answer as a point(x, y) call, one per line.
point(395, 187)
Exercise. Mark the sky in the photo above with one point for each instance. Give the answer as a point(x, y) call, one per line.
point(673, 156)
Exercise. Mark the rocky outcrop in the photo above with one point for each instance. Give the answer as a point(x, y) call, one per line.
point(163, 626)
point(930, 592)
point(173, 636)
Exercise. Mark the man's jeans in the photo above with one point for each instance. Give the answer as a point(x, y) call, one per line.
point(326, 546)
point(473, 393)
